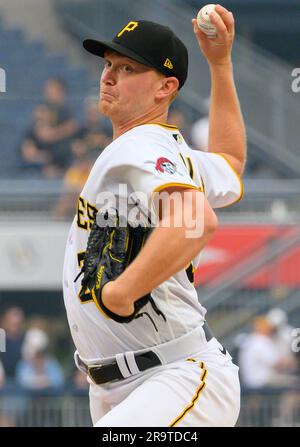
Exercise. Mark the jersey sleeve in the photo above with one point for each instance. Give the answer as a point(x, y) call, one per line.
point(222, 185)
point(150, 167)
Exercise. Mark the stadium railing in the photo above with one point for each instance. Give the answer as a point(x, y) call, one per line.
point(52, 408)
point(265, 201)
point(259, 408)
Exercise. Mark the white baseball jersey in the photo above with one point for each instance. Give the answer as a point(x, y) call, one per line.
point(147, 158)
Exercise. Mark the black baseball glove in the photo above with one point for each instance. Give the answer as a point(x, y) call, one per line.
point(110, 249)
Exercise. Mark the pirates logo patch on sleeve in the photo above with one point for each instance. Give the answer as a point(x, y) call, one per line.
point(164, 165)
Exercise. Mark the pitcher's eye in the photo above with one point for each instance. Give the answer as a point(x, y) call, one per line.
point(127, 68)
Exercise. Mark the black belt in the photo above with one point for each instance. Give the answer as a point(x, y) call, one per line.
point(106, 373)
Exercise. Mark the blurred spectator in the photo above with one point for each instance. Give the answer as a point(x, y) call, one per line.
point(13, 325)
point(96, 132)
point(46, 147)
point(200, 130)
point(35, 340)
point(77, 174)
point(282, 332)
point(282, 338)
point(261, 363)
point(36, 154)
point(74, 180)
point(38, 370)
point(64, 125)
point(266, 365)
point(64, 128)
point(91, 139)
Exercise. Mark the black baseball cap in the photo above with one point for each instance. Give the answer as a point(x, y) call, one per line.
point(150, 44)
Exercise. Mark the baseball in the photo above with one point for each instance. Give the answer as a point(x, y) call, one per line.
point(204, 22)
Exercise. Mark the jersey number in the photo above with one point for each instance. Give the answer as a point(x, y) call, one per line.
point(87, 296)
point(86, 213)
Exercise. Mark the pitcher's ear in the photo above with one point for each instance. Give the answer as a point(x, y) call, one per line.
point(169, 85)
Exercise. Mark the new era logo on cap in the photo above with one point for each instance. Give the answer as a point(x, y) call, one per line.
point(150, 44)
point(168, 64)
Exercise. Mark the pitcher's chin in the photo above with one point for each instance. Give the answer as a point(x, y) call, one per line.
point(105, 106)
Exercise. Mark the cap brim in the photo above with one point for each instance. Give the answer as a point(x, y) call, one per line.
point(98, 48)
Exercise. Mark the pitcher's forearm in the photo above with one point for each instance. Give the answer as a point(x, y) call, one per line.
point(227, 132)
point(166, 252)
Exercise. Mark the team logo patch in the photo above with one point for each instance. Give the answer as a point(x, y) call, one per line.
point(163, 165)
point(128, 28)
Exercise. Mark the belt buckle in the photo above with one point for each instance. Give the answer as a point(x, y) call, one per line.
point(89, 367)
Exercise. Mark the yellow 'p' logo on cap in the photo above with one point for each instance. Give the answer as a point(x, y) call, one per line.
point(129, 27)
point(168, 64)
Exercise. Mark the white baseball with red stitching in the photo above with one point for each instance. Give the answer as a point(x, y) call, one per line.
point(204, 22)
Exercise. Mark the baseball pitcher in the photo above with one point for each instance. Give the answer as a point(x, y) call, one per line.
point(143, 217)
